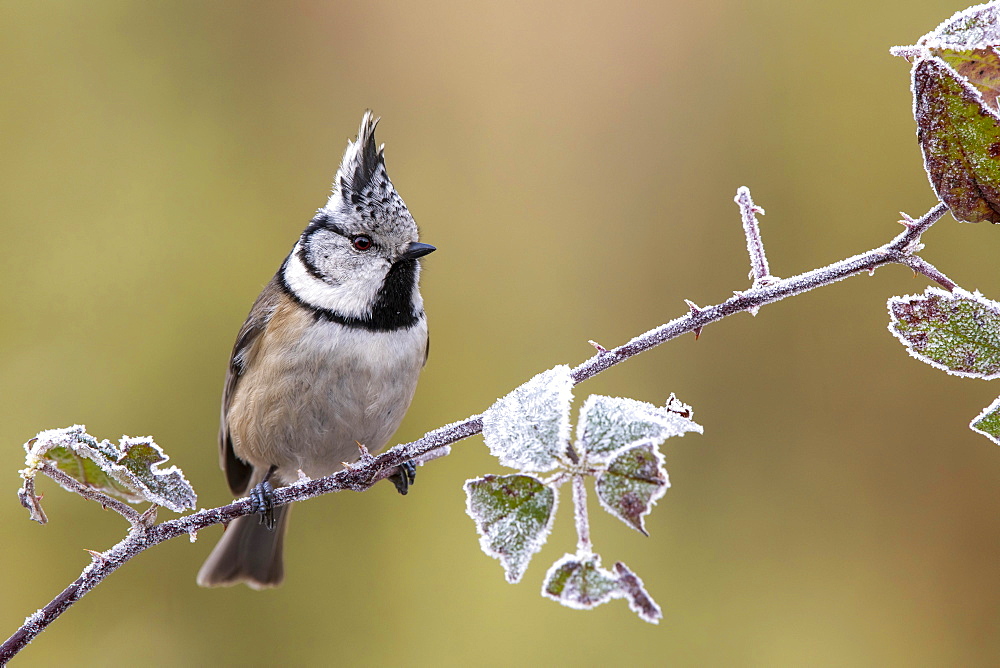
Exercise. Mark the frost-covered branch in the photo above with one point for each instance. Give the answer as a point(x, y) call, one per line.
point(370, 470)
point(898, 251)
point(142, 537)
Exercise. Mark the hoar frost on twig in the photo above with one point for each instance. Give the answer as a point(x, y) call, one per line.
point(955, 105)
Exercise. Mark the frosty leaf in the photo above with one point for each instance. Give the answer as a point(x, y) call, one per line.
point(130, 470)
point(987, 423)
point(960, 140)
point(980, 67)
point(956, 331)
point(633, 482)
point(528, 428)
point(513, 515)
point(608, 424)
point(639, 601)
point(972, 28)
point(139, 468)
point(578, 581)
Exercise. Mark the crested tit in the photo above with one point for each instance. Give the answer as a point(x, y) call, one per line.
point(328, 358)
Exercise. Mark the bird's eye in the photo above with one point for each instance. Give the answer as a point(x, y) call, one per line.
point(362, 242)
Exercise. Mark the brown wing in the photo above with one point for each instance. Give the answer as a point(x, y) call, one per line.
point(238, 471)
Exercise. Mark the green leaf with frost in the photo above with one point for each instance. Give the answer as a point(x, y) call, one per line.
point(967, 42)
point(959, 135)
point(634, 481)
point(987, 423)
point(529, 428)
point(138, 467)
point(979, 67)
point(956, 83)
point(578, 581)
point(130, 470)
point(79, 465)
point(513, 515)
point(957, 331)
point(608, 424)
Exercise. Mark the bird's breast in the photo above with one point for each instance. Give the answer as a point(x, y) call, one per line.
point(313, 389)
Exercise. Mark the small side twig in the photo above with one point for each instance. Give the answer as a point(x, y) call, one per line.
point(761, 273)
point(583, 544)
point(921, 266)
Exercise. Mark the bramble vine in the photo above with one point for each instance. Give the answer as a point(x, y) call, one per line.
point(956, 86)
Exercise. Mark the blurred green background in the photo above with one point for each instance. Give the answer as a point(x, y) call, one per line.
point(575, 164)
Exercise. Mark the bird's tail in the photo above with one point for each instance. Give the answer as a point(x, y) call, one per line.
point(248, 552)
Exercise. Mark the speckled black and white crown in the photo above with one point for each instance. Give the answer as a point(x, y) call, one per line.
point(362, 186)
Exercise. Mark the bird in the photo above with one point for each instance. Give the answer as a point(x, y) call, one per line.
point(327, 360)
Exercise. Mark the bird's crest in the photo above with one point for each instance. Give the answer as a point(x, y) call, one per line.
point(363, 166)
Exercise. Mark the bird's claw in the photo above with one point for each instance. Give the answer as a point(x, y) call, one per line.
point(262, 503)
point(404, 477)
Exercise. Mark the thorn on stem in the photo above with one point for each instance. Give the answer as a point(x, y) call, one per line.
point(695, 310)
point(366, 456)
point(907, 221)
point(97, 557)
point(601, 349)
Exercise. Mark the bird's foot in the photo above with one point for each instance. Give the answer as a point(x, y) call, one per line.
point(262, 503)
point(404, 477)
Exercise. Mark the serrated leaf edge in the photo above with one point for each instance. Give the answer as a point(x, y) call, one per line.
point(535, 546)
point(633, 587)
point(655, 414)
point(992, 408)
point(565, 399)
point(75, 438)
point(122, 471)
point(931, 42)
point(954, 295)
point(617, 592)
point(657, 495)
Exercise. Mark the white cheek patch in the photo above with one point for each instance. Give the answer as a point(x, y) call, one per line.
point(350, 298)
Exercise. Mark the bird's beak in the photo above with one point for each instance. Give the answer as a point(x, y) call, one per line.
point(417, 249)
